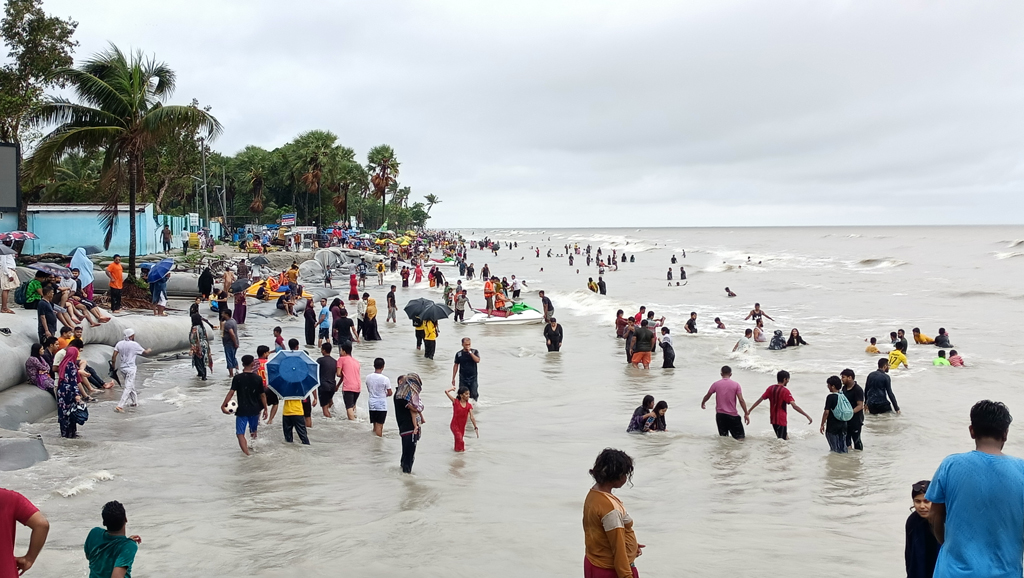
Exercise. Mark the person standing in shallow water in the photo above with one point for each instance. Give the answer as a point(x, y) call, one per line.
point(610, 544)
point(409, 415)
point(977, 510)
point(461, 410)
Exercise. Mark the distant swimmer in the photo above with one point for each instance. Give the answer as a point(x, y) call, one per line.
point(682, 274)
point(591, 285)
point(756, 313)
point(691, 323)
point(872, 347)
point(729, 293)
point(670, 274)
point(941, 359)
point(719, 324)
point(668, 353)
point(745, 343)
point(942, 339)
point(795, 339)
point(602, 287)
point(898, 357)
point(674, 260)
point(955, 360)
point(684, 253)
point(921, 339)
point(632, 258)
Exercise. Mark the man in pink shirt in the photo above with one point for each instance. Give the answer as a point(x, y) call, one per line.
point(351, 383)
point(727, 392)
point(16, 508)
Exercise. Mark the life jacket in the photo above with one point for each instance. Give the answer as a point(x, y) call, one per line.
point(489, 289)
point(499, 301)
point(274, 284)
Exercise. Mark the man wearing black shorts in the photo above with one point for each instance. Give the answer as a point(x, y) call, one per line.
point(778, 397)
point(466, 361)
point(378, 387)
point(328, 378)
point(727, 392)
point(310, 401)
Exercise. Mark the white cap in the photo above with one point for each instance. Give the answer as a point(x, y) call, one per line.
point(128, 333)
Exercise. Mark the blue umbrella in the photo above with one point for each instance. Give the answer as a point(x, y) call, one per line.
point(160, 270)
point(292, 374)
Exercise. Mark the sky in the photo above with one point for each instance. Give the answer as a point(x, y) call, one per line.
point(594, 113)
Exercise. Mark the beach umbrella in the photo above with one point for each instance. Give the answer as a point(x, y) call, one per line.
point(292, 374)
point(380, 241)
point(88, 250)
point(160, 270)
point(415, 306)
point(52, 269)
point(84, 265)
point(17, 236)
point(5, 250)
point(239, 286)
point(435, 311)
point(259, 260)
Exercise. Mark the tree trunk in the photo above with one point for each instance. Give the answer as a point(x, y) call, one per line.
point(160, 192)
point(133, 190)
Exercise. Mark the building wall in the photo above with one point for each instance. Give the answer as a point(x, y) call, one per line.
point(63, 231)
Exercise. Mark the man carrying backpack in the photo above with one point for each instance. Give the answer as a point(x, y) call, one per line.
point(838, 412)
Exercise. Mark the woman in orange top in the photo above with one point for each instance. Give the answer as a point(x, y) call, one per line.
point(608, 535)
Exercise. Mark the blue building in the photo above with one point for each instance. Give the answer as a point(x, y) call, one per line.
point(63, 227)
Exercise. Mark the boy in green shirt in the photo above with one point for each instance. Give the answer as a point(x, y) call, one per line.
point(110, 552)
point(941, 359)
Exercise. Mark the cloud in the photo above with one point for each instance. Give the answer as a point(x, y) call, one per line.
point(594, 113)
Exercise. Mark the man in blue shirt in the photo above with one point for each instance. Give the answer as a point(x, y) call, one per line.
point(324, 321)
point(977, 500)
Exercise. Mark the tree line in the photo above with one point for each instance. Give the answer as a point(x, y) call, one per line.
point(118, 141)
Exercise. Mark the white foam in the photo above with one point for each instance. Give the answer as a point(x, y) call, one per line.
point(1009, 255)
point(172, 396)
point(87, 483)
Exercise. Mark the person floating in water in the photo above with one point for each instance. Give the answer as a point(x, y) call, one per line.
point(719, 324)
point(729, 293)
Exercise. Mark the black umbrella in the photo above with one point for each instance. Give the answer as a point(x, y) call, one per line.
point(414, 307)
point(51, 269)
point(239, 286)
point(259, 260)
point(89, 250)
point(435, 311)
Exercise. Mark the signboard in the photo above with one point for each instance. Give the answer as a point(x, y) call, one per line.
point(288, 220)
point(193, 219)
point(10, 188)
point(352, 221)
point(302, 230)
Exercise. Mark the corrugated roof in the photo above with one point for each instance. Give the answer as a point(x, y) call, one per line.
point(84, 207)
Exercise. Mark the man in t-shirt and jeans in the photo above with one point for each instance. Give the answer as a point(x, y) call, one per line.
point(252, 399)
point(855, 395)
point(778, 396)
point(17, 508)
point(643, 344)
point(727, 392)
point(466, 361)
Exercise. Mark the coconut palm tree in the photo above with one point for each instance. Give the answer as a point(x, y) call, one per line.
point(252, 165)
point(383, 170)
point(431, 201)
point(121, 111)
point(351, 177)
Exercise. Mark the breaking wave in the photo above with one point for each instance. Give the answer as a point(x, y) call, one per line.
point(1010, 255)
point(86, 483)
point(884, 263)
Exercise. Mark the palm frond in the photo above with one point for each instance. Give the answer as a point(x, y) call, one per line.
point(63, 141)
point(161, 120)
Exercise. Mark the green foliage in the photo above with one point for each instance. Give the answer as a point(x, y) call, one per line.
point(120, 111)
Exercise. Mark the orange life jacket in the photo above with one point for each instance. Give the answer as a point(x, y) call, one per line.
point(489, 289)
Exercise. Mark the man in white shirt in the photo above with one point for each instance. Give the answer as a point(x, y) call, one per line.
point(517, 286)
point(185, 238)
point(127, 349)
point(746, 342)
point(8, 280)
point(378, 386)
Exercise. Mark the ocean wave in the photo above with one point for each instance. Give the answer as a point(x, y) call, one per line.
point(1009, 255)
point(968, 294)
point(84, 484)
point(582, 302)
point(606, 242)
point(1014, 243)
point(882, 263)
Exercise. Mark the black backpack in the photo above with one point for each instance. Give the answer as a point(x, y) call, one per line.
point(19, 294)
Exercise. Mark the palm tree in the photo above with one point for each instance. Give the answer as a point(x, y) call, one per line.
point(312, 152)
point(120, 111)
point(383, 170)
point(252, 164)
point(431, 201)
point(351, 178)
point(75, 179)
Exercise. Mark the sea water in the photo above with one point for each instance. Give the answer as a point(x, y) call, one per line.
point(511, 504)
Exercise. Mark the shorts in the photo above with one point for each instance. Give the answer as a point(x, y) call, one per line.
point(241, 421)
point(781, 432)
point(642, 357)
point(378, 416)
point(271, 397)
point(307, 407)
point(730, 425)
point(326, 395)
point(324, 333)
point(350, 398)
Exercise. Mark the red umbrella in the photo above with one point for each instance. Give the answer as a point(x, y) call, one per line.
point(17, 236)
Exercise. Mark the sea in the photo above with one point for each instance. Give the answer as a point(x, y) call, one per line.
point(511, 504)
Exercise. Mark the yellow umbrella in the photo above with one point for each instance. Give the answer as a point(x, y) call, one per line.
point(405, 243)
point(379, 241)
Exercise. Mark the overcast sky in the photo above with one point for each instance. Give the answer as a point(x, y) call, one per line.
point(543, 113)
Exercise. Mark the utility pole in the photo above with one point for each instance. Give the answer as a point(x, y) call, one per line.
point(206, 194)
point(224, 195)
